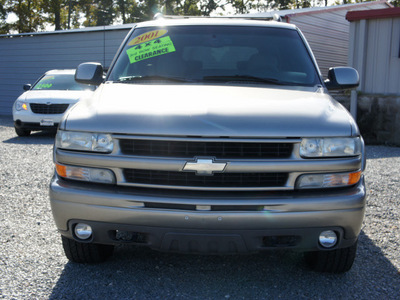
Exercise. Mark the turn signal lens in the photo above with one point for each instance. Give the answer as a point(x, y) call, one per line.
point(86, 174)
point(315, 181)
point(61, 170)
point(354, 178)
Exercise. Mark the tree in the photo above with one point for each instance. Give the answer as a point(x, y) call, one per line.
point(87, 9)
point(148, 8)
point(97, 13)
point(128, 10)
point(105, 12)
point(395, 3)
point(57, 11)
point(242, 6)
point(29, 14)
point(189, 8)
point(3, 16)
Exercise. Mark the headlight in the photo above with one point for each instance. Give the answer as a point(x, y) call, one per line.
point(315, 181)
point(19, 105)
point(84, 141)
point(330, 147)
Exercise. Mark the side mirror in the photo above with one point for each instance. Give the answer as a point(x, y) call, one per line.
point(341, 78)
point(27, 87)
point(89, 73)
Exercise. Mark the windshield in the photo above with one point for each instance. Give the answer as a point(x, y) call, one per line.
point(61, 82)
point(216, 54)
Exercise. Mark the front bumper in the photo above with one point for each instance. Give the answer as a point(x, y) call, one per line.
point(34, 126)
point(165, 221)
point(27, 120)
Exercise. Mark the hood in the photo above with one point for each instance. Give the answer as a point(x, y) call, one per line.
point(210, 111)
point(54, 96)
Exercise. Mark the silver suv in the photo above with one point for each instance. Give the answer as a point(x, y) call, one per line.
point(211, 136)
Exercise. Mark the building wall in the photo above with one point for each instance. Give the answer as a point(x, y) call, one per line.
point(376, 54)
point(327, 32)
point(23, 58)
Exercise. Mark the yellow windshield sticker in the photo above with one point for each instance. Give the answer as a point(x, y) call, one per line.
point(150, 49)
point(148, 36)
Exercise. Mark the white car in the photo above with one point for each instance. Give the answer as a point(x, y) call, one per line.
point(42, 106)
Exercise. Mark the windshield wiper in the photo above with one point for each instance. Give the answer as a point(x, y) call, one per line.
point(151, 77)
point(243, 78)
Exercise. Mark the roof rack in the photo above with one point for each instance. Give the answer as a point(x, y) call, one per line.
point(159, 16)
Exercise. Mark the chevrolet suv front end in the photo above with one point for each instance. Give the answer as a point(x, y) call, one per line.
point(211, 136)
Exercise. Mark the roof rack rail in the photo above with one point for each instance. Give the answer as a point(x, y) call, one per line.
point(158, 16)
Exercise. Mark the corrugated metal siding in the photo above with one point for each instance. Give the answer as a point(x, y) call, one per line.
point(327, 32)
point(393, 84)
point(382, 64)
point(376, 55)
point(24, 58)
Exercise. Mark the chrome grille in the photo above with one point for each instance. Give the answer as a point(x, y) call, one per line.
point(190, 149)
point(39, 108)
point(218, 180)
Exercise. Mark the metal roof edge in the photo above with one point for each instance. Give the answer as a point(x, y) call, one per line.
point(373, 14)
point(313, 10)
point(68, 31)
point(341, 7)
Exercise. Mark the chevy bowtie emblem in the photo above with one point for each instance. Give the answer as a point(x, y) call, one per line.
point(204, 166)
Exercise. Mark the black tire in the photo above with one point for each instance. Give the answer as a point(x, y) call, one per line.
point(22, 132)
point(86, 252)
point(333, 261)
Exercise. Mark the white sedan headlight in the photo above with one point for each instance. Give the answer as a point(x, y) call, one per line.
point(19, 105)
point(84, 141)
point(330, 147)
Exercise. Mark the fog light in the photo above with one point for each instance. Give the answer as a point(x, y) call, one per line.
point(328, 239)
point(83, 231)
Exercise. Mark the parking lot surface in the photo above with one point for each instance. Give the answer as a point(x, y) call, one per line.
point(33, 265)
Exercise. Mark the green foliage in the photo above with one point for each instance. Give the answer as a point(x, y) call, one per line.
point(242, 6)
point(395, 3)
point(104, 12)
point(29, 13)
point(128, 11)
point(3, 15)
point(188, 8)
point(57, 11)
point(35, 15)
point(209, 6)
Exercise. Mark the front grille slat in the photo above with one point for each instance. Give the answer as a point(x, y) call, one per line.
point(218, 180)
point(217, 149)
point(39, 108)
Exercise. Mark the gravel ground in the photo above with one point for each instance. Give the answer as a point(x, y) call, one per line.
point(33, 265)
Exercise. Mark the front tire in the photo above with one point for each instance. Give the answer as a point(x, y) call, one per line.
point(332, 261)
point(22, 132)
point(86, 252)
